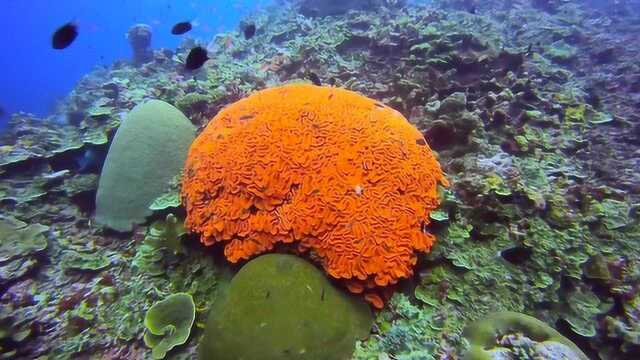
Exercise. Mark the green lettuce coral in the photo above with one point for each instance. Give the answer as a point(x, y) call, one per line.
point(169, 323)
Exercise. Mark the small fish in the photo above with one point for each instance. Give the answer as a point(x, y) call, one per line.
point(196, 58)
point(2, 111)
point(181, 28)
point(314, 78)
point(64, 36)
point(90, 161)
point(249, 31)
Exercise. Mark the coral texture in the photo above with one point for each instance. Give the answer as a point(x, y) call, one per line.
point(328, 169)
point(279, 306)
point(147, 152)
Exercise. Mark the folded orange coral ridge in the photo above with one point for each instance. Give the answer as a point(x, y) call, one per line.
point(325, 169)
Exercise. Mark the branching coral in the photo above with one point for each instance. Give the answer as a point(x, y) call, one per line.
point(330, 170)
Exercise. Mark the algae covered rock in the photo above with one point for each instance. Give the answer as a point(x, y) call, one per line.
point(515, 331)
point(148, 150)
point(282, 307)
point(169, 323)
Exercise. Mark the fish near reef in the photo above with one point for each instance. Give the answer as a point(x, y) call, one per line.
point(313, 77)
point(196, 58)
point(249, 31)
point(181, 28)
point(64, 36)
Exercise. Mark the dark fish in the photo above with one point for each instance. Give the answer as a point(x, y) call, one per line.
point(196, 58)
point(2, 111)
point(249, 31)
point(90, 161)
point(314, 78)
point(181, 28)
point(472, 9)
point(64, 36)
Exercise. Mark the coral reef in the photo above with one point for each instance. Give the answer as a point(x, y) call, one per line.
point(148, 150)
point(282, 307)
point(339, 175)
point(531, 106)
point(337, 7)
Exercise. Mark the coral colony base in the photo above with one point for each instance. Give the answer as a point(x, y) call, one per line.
point(462, 185)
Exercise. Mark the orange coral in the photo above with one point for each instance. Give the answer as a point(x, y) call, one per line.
point(330, 170)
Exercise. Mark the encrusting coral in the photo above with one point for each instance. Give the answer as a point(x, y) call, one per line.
point(337, 173)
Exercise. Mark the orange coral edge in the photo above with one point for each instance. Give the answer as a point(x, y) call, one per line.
point(327, 170)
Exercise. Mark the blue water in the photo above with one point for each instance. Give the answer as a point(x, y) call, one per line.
point(33, 76)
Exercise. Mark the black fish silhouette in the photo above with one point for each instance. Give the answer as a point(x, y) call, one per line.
point(249, 31)
point(181, 28)
point(314, 78)
point(196, 58)
point(64, 36)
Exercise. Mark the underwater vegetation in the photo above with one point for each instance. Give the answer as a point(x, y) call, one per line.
point(238, 197)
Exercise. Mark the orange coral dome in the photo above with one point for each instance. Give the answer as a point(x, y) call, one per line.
point(325, 169)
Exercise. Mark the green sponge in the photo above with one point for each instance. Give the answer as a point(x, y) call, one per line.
point(148, 150)
point(282, 307)
point(169, 323)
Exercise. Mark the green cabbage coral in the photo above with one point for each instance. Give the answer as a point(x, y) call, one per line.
point(282, 307)
point(149, 149)
point(169, 323)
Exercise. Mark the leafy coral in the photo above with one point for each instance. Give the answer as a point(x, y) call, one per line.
point(169, 323)
point(295, 174)
point(88, 262)
point(162, 236)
